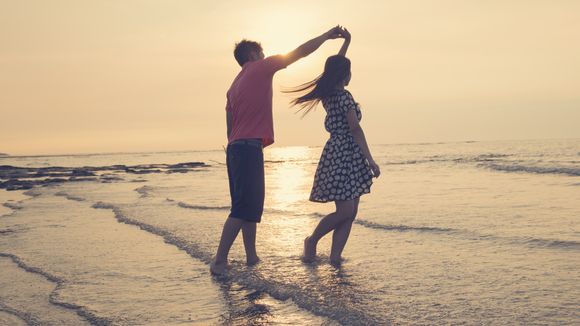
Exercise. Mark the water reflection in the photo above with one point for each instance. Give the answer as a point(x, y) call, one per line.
point(288, 183)
point(288, 178)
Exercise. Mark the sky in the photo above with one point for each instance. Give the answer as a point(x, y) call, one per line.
point(80, 76)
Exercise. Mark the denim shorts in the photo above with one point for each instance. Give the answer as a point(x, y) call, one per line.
point(245, 162)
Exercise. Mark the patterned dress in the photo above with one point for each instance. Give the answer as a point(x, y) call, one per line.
point(343, 172)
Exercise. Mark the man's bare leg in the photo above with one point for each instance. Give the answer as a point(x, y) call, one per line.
point(249, 234)
point(230, 231)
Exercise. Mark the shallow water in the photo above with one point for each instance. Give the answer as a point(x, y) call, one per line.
point(452, 233)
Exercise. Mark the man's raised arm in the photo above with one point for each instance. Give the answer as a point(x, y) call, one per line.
point(312, 45)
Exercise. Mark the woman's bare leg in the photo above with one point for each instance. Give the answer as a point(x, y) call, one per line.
point(344, 211)
point(340, 237)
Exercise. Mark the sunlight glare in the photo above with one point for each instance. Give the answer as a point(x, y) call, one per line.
point(292, 179)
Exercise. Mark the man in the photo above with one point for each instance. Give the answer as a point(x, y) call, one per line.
point(250, 129)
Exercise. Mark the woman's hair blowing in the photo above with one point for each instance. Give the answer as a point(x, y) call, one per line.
point(336, 70)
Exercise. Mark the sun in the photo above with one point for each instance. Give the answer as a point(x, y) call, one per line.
point(281, 26)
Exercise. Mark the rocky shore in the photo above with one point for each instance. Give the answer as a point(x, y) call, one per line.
point(19, 178)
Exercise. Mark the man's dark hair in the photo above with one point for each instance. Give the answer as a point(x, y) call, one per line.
point(244, 49)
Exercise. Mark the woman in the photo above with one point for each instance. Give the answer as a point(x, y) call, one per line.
point(346, 167)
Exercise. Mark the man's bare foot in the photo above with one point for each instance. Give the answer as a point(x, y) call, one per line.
point(309, 251)
point(251, 261)
point(336, 261)
point(218, 268)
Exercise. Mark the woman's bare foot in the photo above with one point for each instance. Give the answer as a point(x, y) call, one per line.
point(251, 261)
point(218, 268)
point(309, 251)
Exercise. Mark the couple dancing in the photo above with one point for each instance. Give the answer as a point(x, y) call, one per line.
point(346, 167)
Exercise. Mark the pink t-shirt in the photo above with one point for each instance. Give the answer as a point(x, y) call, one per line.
point(250, 100)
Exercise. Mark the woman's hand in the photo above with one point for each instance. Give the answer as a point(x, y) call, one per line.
point(345, 33)
point(375, 169)
point(333, 33)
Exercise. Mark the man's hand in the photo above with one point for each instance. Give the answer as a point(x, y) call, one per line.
point(312, 45)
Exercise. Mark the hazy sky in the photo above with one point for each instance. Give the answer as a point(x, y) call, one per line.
point(120, 75)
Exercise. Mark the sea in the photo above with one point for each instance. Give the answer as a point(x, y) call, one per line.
point(452, 233)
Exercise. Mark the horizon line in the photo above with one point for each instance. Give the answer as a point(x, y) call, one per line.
point(6, 155)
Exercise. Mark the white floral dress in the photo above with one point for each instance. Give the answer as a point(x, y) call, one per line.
point(343, 172)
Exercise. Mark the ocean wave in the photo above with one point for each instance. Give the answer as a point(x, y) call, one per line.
point(527, 241)
point(342, 312)
point(103, 205)
point(550, 243)
point(293, 160)
point(69, 197)
point(32, 193)
point(225, 208)
point(491, 156)
point(487, 157)
point(427, 160)
point(13, 205)
point(364, 223)
point(144, 191)
point(393, 227)
point(200, 207)
point(17, 205)
point(401, 228)
point(572, 171)
point(191, 249)
point(470, 235)
point(28, 318)
point(52, 298)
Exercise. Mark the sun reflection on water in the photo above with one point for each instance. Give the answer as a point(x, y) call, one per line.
point(289, 176)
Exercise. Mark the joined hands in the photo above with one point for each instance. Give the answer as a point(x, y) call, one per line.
point(338, 32)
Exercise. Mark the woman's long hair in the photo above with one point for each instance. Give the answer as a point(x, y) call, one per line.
point(336, 71)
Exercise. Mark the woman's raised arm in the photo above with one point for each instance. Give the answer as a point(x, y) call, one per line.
point(346, 34)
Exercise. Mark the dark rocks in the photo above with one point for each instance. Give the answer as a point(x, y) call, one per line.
point(15, 184)
point(83, 179)
point(178, 171)
point(142, 171)
point(19, 178)
point(110, 177)
point(187, 165)
point(82, 173)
